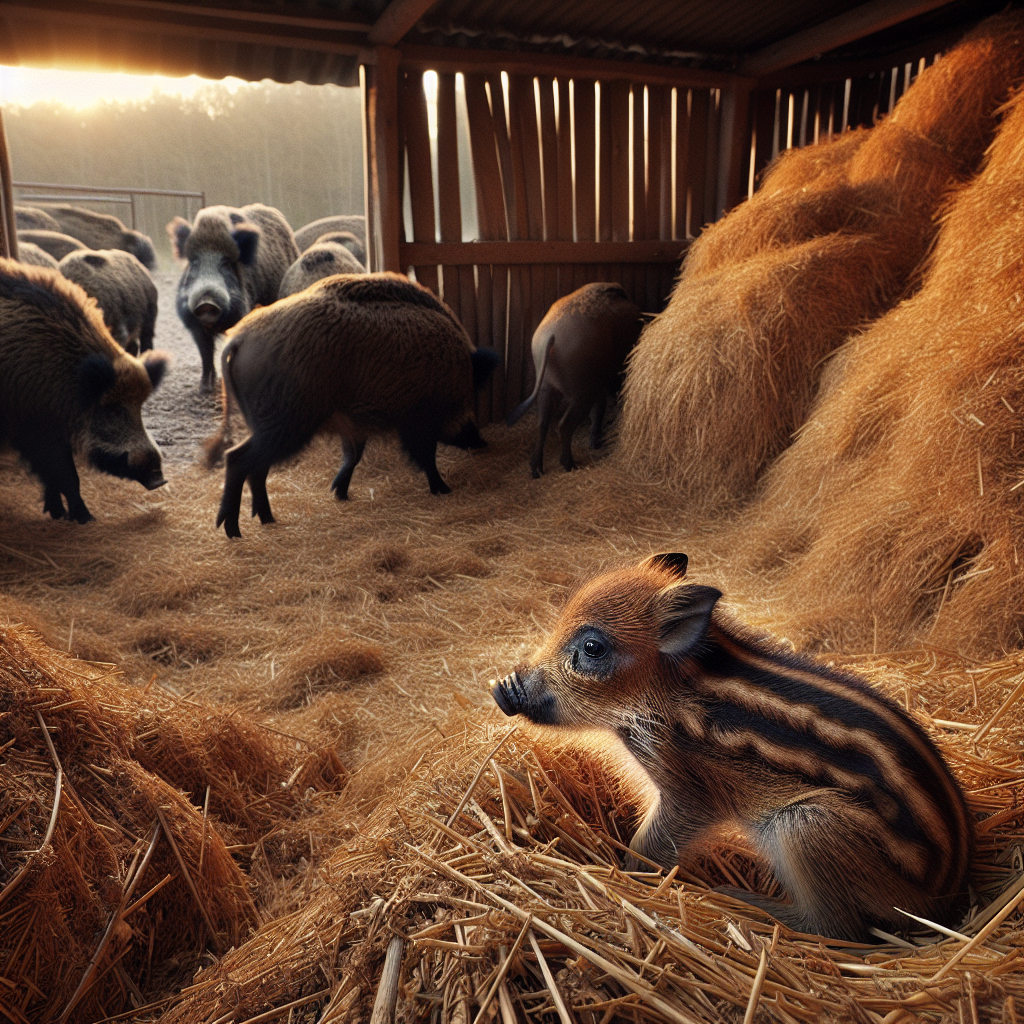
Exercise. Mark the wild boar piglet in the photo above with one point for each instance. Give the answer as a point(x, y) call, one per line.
point(835, 785)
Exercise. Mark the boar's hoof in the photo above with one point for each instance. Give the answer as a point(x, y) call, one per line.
point(230, 524)
point(440, 487)
point(78, 511)
point(568, 465)
point(535, 473)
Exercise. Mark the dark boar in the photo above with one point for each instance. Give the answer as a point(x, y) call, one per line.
point(35, 257)
point(55, 243)
point(347, 239)
point(354, 223)
point(236, 260)
point(66, 386)
point(31, 218)
point(579, 350)
point(123, 290)
point(355, 355)
point(835, 785)
point(103, 231)
point(319, 261)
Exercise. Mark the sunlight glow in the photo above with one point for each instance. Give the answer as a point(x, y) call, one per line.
point(22, 87)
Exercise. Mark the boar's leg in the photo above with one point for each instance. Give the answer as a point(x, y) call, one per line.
point(422, 450)
point(547, 404)
point(239, 464)
point(51, 459)
point(352, 452)
point(597, 420)
point(205, 344)
point(260, 498)
point(567, 425)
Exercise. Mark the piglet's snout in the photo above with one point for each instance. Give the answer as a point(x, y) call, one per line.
point(509, 694)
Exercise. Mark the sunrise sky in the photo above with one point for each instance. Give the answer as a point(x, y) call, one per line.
point(80, 89)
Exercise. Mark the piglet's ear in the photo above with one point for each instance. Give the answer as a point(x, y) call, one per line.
point(674, 561)
point(247, 240)
point(684, 615)
point(96, 376)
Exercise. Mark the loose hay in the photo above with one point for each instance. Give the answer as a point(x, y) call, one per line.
point(719, 382)
point(899, 510)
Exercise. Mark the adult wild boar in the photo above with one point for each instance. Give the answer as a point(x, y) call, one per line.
point(579, 350)
point(319, 261)
point(123, 290)
point(308, 235)
point(31, 218)
point(236, 260)
point(58, 245)
point(67, 386)
point(35, 257)
point(103, 231)
point(356, 355)
point(347, 239)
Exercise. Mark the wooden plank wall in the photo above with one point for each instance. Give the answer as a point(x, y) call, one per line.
point(788, 114)
point(557, 160)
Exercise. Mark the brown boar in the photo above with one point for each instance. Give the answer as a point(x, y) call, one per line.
point(347, 239)
point(319, 261)
point(55, 243)
point(310, 233)
point(123, 290)
point(579, 350)
point(35, 257)
point(67, 386)
point(355, 355)
point(103, 231)
point(832, 783)
point(236, 261)
point(31, 218)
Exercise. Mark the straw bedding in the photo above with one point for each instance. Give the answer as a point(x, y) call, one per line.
point(721, 380)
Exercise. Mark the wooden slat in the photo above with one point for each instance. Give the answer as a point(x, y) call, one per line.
point(620, 145)
point(765, 108)
point(697, 165)
point(682, 182)
point(421, 179)
point(459, 292)
point(659, 162)
point(734, 148)
point(711, 166)
point(586, 135)
point(639, 164)
point(552, 183)
point(385, 195)
point(565, 191)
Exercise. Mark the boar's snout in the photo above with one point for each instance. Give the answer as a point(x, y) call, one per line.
point(528, 695)
point(207, 312)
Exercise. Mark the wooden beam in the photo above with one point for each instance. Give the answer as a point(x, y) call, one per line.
point(519, 253)
point(385, 199)
point(444, 58)
point(733, 148)
point(399, 16)
point(8, 223)
point(861, 21)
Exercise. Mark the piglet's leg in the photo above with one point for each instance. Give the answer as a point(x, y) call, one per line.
point(597, 420)
point(571, 419)
point(423, 451)
point(52, 461)
point(352, 452)
point(260, 498)
point(665, 837)
point(236, 470)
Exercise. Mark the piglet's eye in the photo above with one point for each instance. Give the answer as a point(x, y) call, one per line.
point(594, 648)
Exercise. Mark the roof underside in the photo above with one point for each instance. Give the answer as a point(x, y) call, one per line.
point(320, 41)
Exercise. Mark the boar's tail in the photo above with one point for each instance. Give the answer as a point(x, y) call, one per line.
point(220, 442)
point(519, 411)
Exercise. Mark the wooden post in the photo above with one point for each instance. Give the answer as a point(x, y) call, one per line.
point(384, 198)
point(733, 146)
point(8, 224)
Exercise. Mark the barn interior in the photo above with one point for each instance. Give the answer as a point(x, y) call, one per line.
point(264, 780)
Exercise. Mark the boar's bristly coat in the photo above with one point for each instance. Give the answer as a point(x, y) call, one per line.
point(355, 355)
point(123, 290)
point(351, 242)
point(57, 244)
point(236, 260)
point(325, 259)
point(832, 783)
point(310, 233)
point(30, 253)
point(67, 386)
point(31, 218)
point(103, 231)
point(579, 350)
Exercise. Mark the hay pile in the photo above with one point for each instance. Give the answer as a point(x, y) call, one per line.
point(496, 863)
point(899, 511)
point(721, 380)
point(113, 881)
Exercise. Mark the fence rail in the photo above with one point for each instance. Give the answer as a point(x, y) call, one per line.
point(105, 194)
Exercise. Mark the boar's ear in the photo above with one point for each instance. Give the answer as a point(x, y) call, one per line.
point(247, 240)
point(675, 562)
point(156, 364)
point(96, 376)
point(683, 614)
point(179, 230)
